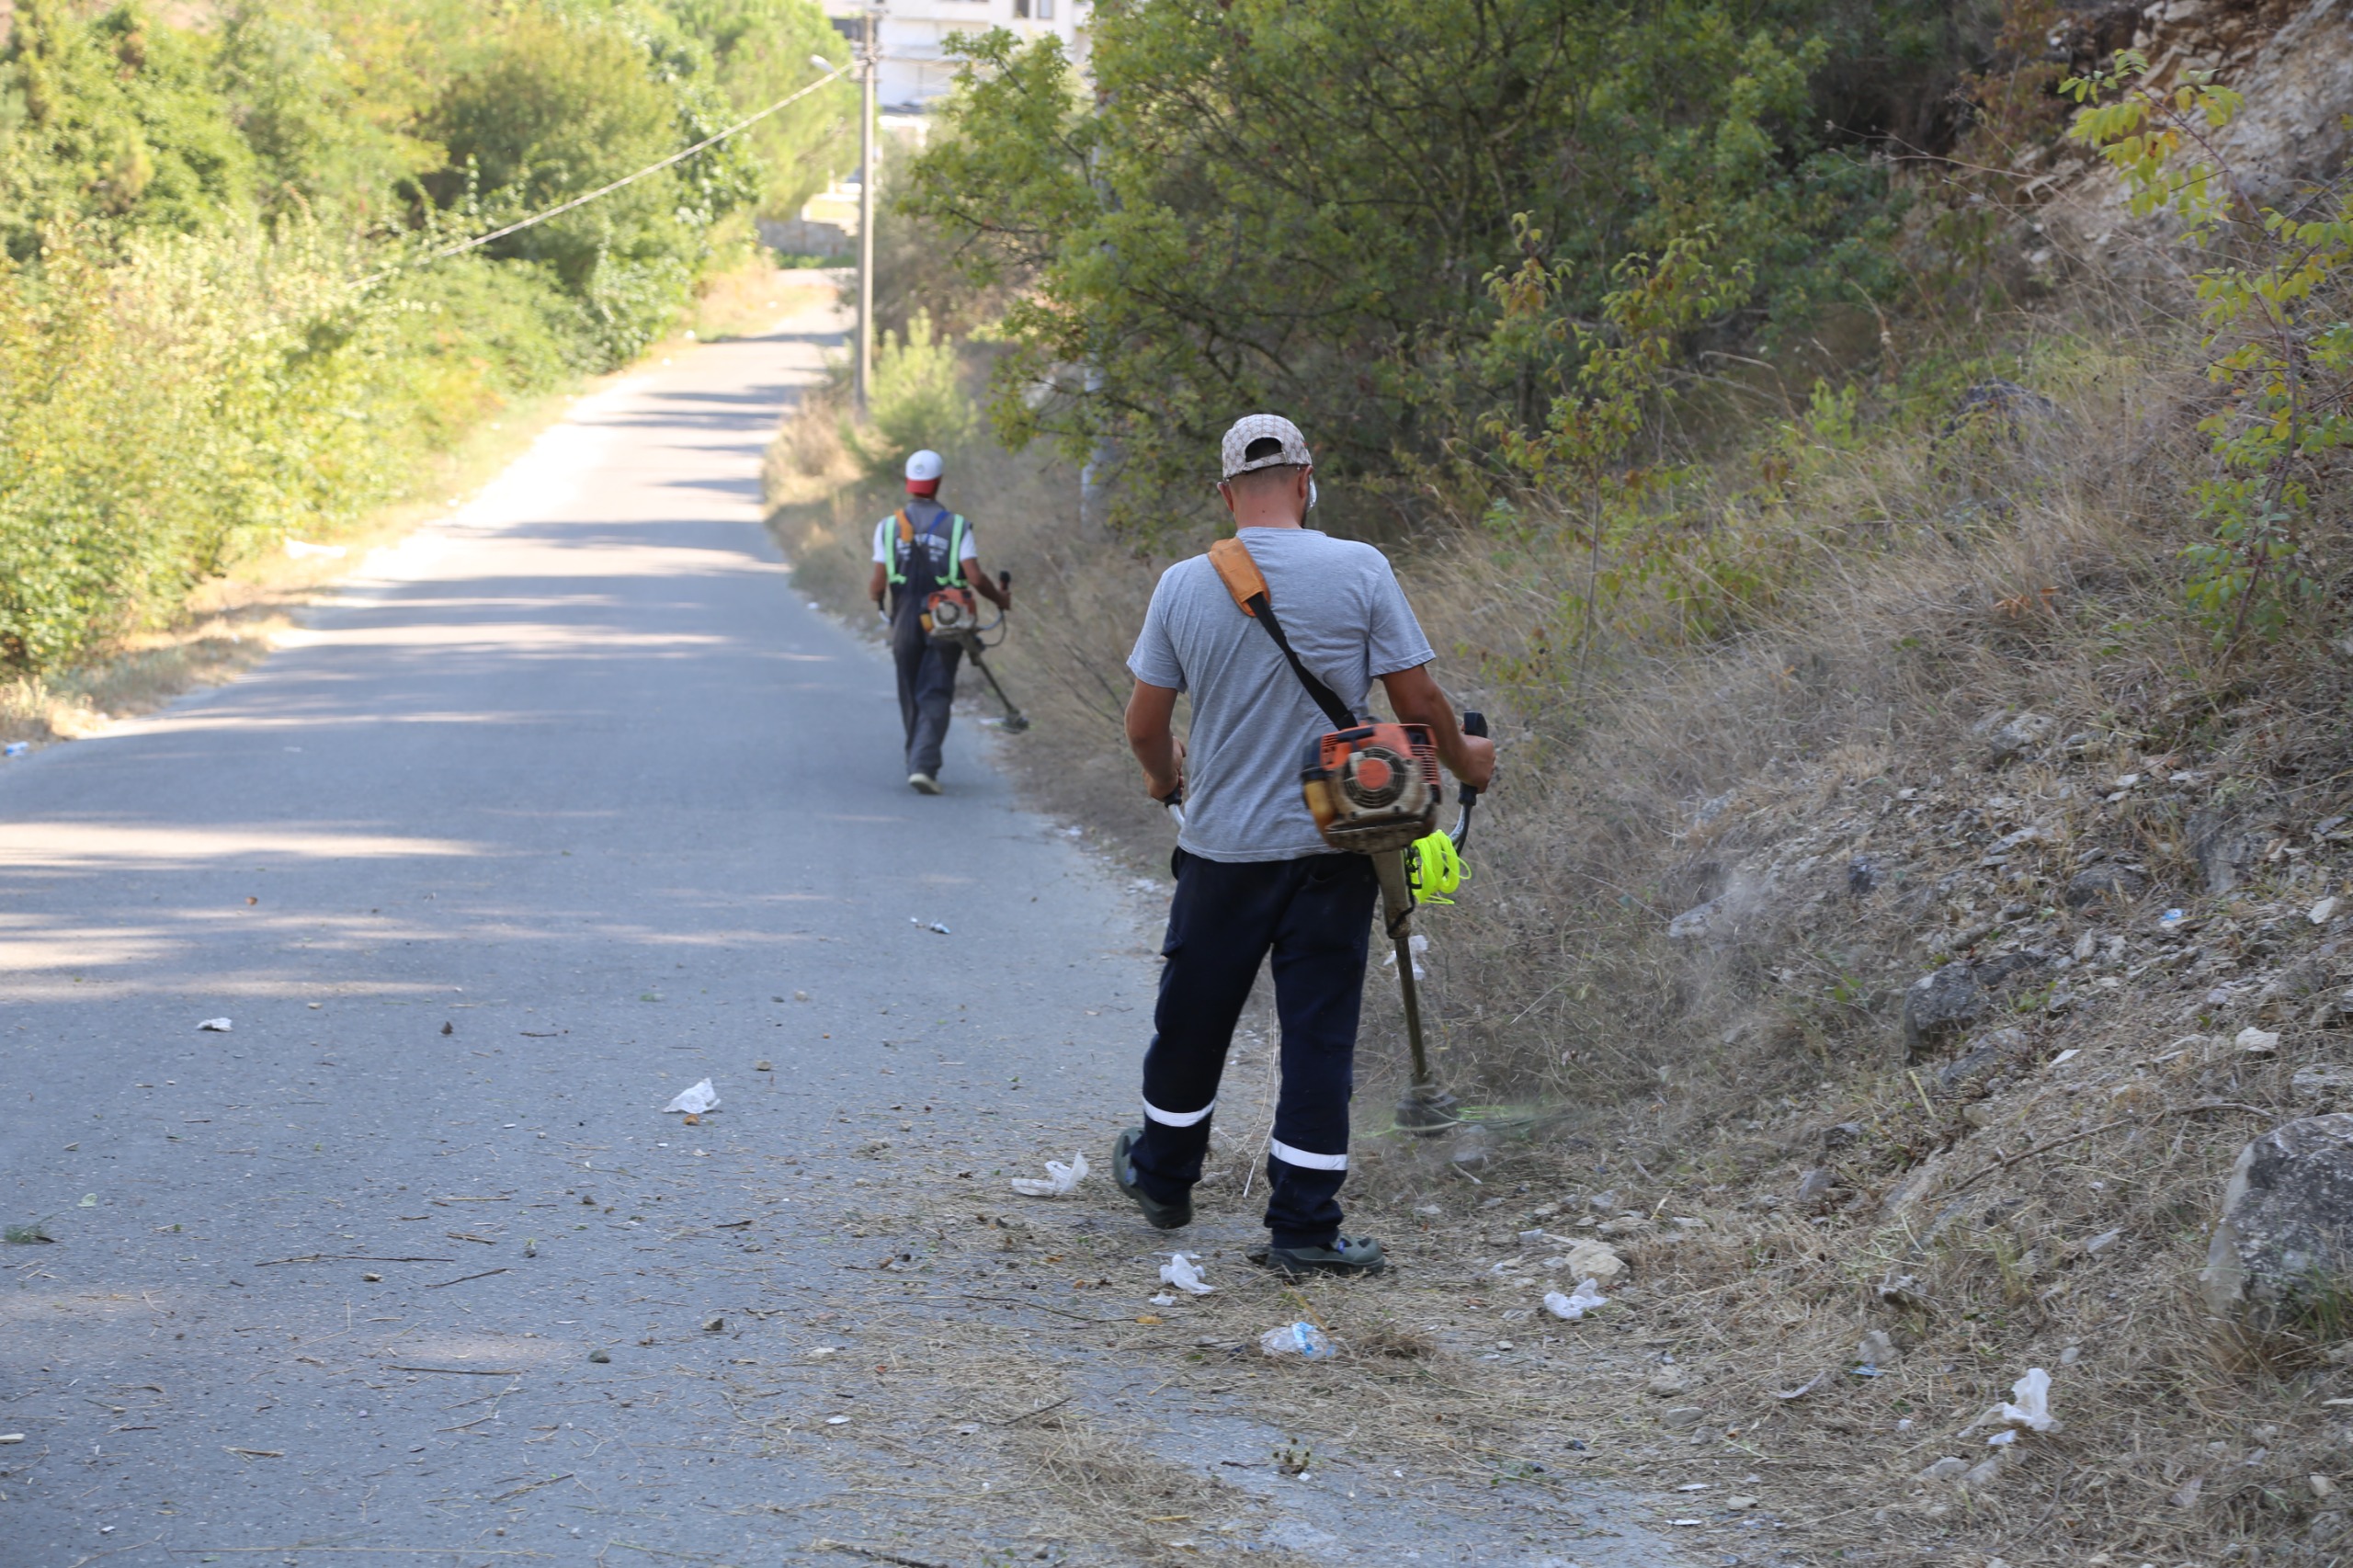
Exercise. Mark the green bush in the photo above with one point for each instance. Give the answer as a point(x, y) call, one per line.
point(220, 319)
point(917, 399)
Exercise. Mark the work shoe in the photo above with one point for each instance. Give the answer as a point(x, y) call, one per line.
point(1162, 1216)
point(1348, 1255)
point(923, 783)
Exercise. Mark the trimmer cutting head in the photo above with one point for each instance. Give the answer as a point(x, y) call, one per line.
point(1426, 1110)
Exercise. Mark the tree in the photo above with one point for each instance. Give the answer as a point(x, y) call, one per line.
point(1295, 203)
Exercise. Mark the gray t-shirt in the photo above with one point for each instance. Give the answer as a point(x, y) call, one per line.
point(1253, 723)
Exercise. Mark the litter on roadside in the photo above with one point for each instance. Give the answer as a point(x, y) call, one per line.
point(2030, 1403)
point(932, 925)
point(1183, 1271)
point(1163, 1300)
point(302, 550)
point(1420, 945)
point(1302, 1339)
point(695, 1101)
point(2256, 1041)
point(1575, 1305)
point(1061, 1180)
point(216, 1026)
point(17, 748)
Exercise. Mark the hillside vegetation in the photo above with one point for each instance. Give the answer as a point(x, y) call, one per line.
point(1880, 467)
point(221, 322)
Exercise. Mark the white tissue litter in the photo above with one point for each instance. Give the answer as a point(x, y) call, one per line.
point(1183, 1271)
point(218, 1026)
point(697, 1100)
point(1163, 1299)
point(2030, 1406)
point(1061, 1180)
point(1572, 1307)
point(1420, 945)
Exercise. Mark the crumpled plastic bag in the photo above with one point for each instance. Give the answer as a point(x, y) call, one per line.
point(214, 1026)
point(2031, 1402)
point(1182, 1270)
point(1302, 1339)
point(695, 1101)
point(1586, 1297)
point(1061, 1180)
point(1420, 945)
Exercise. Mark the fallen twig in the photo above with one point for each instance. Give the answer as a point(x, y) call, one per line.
point(461, 1279)
point(1017, 1420)
point(2003, 1164)
point(464, 1371)
point(873, 1553)
point(348, 1258)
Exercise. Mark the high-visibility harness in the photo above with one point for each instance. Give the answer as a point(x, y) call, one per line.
point(899, 553)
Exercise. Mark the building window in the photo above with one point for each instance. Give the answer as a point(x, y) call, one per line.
point(1045, 10)
point(1020, 9)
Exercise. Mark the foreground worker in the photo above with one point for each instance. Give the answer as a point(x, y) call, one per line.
point(919, 549)
point(1253, 873)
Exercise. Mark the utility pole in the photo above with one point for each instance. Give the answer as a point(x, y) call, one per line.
point(869, 57)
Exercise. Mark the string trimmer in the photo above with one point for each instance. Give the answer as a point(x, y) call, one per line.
point(1424, 1108)
point(1369, 785)
point(951, 617)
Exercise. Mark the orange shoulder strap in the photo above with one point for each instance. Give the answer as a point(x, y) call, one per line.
point(906, 527)
point(1240, 573)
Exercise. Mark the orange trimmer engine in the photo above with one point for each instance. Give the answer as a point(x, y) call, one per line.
point(1373, 789)
point(951, 615)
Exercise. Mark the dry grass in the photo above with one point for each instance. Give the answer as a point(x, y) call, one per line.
point(1909, 590)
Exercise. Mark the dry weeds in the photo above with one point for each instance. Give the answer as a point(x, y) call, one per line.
point(1825, 774)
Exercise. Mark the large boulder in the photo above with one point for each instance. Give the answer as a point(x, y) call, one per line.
point(1941, 1006)
point(2286, 1234)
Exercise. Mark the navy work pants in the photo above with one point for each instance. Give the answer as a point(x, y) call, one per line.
point(927, 687)
point(1315, 915)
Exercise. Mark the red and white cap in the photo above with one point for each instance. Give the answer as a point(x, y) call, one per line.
point(1252, 428)
point(924, 467)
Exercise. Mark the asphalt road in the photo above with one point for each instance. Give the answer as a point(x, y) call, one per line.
point(563, 805)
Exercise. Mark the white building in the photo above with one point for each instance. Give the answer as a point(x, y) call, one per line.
point(915, 65)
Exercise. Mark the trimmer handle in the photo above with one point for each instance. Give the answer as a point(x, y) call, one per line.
point(1174, 801)
point(1473, 723)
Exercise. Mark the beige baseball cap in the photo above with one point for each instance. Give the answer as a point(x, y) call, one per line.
point(1253, 427)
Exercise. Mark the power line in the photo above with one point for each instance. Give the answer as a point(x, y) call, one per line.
point(558, 211)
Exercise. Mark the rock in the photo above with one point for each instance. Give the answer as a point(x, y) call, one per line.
point(1696, 924)
point(2287, 1222)
point(2104, 881)
point(2017, 736)
point(1877, 1349)
point(2257, 1042)
point(1598, 1261)
point(1949, 1468)
point(1682, 1418)
point(1864, 876)
point(1981, 1475)
point(1997, 1051)
point(2321, 1078)
point(1939, 1005)
point(1668, 1382)
point(1813, 1187)
point(1841, 1135)
point(2220, 847)
point(2324, 912)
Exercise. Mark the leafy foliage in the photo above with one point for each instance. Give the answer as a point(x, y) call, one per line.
point(1298, 205)
point(918, 401)
point(2279, 336)
point(214, 327)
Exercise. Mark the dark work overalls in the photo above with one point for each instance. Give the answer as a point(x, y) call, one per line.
point(917, 569)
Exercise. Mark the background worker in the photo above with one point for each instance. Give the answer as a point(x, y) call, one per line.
point(918, 549)
point(1253, 875)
